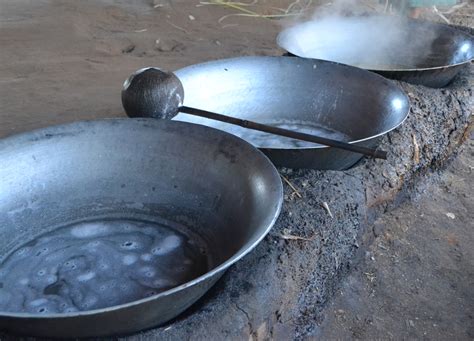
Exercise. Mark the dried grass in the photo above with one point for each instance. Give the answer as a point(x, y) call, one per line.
point(254, 9)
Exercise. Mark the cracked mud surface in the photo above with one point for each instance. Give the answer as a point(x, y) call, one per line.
point(65, 61)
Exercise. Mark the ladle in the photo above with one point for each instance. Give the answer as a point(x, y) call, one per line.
point(152, 92)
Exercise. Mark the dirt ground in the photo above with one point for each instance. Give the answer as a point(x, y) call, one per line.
point(416, 280)
point(63, 61)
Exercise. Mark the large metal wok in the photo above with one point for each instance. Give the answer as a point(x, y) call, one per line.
point(410, 50)
point(313, 96)
point(216, 187)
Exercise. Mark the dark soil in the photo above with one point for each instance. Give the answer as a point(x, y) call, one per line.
point(417, 279)
point(64, 61)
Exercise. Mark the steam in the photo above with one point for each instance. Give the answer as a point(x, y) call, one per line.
point(342, 34)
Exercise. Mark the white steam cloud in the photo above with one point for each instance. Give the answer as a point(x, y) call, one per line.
point(378, 42)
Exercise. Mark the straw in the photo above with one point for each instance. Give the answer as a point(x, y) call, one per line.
point(245, 12)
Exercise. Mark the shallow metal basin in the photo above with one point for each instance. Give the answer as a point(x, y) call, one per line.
point(414, 51)
point(215, 185)
point(312, 96)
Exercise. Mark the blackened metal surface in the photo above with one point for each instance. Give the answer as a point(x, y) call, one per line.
point(163, 101)
point(270, 90)
point(449, 51)
point(433, 78)
point(152, 93)
point(216, 185)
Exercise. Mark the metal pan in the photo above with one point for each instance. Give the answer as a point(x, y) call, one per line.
point(410, 50)
point(313, 96)
point(193, 186)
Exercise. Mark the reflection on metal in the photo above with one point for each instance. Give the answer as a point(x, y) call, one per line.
point(296, 94)
point(218, 186)
point(414, 51)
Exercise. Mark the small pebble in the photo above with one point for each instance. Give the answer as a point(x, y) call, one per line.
point(450, 215)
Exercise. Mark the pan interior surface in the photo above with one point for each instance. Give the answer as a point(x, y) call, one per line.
point(108, 216)
point(379, 43)
point(258, 138)
point(74, 268)
point(310, 96)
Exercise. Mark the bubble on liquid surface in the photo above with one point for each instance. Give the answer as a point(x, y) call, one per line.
point(146, 257)
point(129, 259)
point(22, 252)
point(86, 277)
point(39, 302)
point(130, 245)
point(98, 264)
point(90, 230)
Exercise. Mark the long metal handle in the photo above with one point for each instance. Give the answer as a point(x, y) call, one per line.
point(380, 154)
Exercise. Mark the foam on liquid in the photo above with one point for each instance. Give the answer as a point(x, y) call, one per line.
point(96, 265)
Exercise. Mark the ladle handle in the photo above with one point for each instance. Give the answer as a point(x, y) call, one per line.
point(380, 154)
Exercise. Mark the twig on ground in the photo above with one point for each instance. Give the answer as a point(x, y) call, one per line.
point(292, 187)
point(441, 15)
point(287, 236)
point(416, 150)
point(178, 27)
point(243, 7)
point(229, 25)
point(370, 276)
point(326, 207)
point(455, 8)
point(268, 16)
